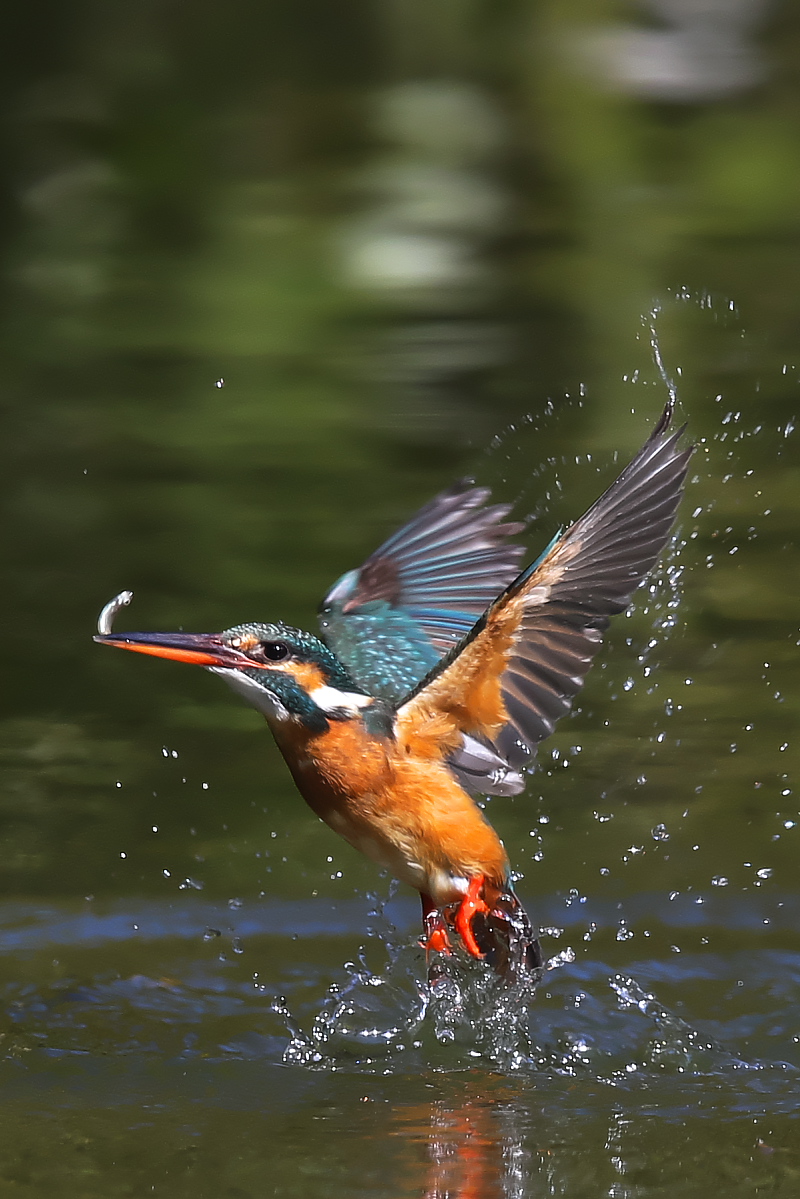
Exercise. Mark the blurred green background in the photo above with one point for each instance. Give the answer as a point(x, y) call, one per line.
point(272, 274)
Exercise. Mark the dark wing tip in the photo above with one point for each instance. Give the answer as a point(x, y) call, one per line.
point(616, 544)
point(665, 420)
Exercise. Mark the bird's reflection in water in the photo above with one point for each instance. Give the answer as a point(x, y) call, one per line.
point(473, 1145)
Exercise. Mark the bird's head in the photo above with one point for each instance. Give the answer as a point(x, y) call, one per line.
point(287, 674)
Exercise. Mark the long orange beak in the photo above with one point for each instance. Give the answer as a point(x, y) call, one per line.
point(200, 649)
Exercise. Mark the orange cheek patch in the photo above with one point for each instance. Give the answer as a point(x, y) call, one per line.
point(307, 674)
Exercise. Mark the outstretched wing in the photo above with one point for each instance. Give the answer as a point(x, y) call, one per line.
point(521, 666)
point(419, 594)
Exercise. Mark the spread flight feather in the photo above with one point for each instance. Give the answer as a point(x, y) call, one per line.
point(517, 672)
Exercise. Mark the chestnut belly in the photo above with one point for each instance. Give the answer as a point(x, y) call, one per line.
point(396, 855)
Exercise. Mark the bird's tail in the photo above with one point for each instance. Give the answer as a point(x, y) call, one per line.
point(507, 939)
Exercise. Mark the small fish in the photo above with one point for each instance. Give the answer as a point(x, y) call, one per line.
point(106, 618)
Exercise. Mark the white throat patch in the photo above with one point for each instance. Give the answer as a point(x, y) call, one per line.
point(328, 699)
point(331, 700)
point(257, 696)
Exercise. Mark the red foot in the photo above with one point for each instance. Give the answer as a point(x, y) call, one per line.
point(468, 909)
point(435, 938)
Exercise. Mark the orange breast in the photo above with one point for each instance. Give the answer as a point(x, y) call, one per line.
point(397, 803)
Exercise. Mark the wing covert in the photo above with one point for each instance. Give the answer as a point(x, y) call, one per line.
point(420, 593)
point(520, 668)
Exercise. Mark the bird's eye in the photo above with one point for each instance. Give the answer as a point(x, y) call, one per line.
point(274, 651)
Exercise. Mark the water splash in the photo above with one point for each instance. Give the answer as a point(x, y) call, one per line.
point(452, 1013)
point(675, 1046)
point(655, 346)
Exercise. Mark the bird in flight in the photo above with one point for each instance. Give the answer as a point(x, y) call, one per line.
point(441, 666)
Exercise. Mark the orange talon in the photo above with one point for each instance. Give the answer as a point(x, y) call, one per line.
point(437, 941)
point(468, 909)
point(435, 938)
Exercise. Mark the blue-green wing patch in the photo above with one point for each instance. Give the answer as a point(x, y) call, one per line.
point(422, 591)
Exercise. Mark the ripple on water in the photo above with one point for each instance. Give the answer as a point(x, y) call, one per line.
point(186, 998)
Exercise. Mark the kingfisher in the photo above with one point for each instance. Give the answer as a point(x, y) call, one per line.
point(440, 667)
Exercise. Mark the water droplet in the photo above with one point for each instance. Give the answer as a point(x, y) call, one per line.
point(659, 833)
point(191, 883)
point(719, 880)
point(561, 959)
